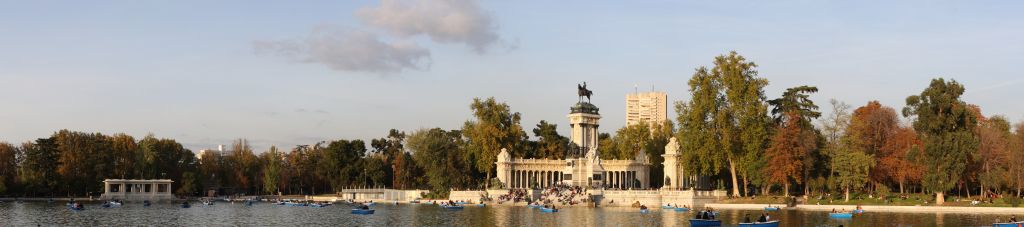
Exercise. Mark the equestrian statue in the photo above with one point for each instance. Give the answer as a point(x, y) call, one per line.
point(582, 91)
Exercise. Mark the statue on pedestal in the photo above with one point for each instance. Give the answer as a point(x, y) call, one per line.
point(582, 91)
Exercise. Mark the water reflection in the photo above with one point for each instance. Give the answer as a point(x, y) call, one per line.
point(264, 214)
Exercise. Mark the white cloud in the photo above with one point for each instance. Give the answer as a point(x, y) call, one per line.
point(444, 21)
point(350, 50)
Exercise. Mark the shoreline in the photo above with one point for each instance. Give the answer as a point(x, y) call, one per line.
point(877, 208)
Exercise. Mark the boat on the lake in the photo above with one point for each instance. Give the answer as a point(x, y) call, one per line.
point(185, 205)
point(667, 207)
point(362, 211)
point(858, 211)
point(705, 222)
point(1008, 224)
point(771, 208)
point(452, 207)
point(534, 205)
point(774, 223)
point(548, 210)
point(840, 215)
point(682, 209)
point(481, 205)
point(145, 203)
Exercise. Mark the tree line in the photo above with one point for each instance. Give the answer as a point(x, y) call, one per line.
point(729, 130)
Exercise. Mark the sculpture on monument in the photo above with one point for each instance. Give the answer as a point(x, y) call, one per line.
point(582, 91)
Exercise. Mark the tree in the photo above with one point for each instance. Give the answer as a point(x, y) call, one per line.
point(392, 149)
point(1016, 172)
point(852, 168)
point(789, 148)
point(993, 152)
point(272, 160)
point(946, 125)
point(8, 165)
point(494, 127)
point(871, 126)
point(660, 135)
point(438, 152)
point(833, 128)
point(897, 160)
point(125, 152)
point(795, 107)
point(727, 112)
point(550, 145)
point(631, 139)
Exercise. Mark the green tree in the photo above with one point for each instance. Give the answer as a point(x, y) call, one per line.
point(631, 139)
point(494, 127)
point(392, 149)
point(796, 103)
point(727, 113)
point(851, 168)
point(8, 166)
point(946, 125)
point(272, 160)
point(438, 153)
point(550, 144)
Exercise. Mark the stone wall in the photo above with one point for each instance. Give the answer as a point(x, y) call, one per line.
point(655, 198)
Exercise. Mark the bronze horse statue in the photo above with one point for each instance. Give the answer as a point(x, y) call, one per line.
point(582, 91)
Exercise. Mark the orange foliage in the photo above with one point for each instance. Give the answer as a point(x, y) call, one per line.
point(895, 162)
point(789, 146)
point(871, 127)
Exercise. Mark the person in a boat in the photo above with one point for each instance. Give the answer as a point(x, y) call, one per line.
point(643, 207)
point(746, 218)
point(762, 218)
point(1013, 218)
point(833, 210)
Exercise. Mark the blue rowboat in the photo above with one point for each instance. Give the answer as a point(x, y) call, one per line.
point(771, 208)
point(761, 224)
point(185, 205)
point(644, 211)
point(534, 206)
point(682, 209)
point(840, 215)
point(319, 205)
point(361, 211)
point(667, 207)
point(76, 208)
point(460, 203)
point(481, 205)
point(1008, 224)
point(452, 207)
point(858, 211)
point(703, 222)
point(548, 210)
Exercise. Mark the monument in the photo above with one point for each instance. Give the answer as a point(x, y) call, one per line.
point(583, 165)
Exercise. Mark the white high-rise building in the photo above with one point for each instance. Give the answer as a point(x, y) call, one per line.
point(650, 107)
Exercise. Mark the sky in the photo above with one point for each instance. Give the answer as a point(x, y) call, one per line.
point(286, 73)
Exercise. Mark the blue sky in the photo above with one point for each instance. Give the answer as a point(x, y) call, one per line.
point(199, 72)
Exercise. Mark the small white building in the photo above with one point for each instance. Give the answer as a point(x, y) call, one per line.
point(141, 189)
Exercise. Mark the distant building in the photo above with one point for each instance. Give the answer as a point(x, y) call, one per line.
point(219, 152)
point(650, 107)
point(137, 189)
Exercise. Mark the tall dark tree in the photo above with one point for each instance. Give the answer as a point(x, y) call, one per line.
point(550, 144)
point(946, 125)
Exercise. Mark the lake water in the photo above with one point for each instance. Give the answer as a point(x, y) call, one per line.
point(266, 214)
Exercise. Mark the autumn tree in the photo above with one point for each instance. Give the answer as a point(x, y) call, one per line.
point(871, 126)
point(794, 112)
point(946, 125)
point(494, 127)
point(898, 160)
point(993, 153)
point(833, 128)
point(8, 166)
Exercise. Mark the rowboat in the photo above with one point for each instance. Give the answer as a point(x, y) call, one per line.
point(362, 211)
point(761, 224)
point(1008, 224)
point(185, 205)
point(452, 207)
point(682, 209)
point(534, 206)
point(705, 222)
point(667, 207)
point(548, 210)
point(481, 205)
point(644, 211)
point(840, 215)
point(771, 208)
point(861, 211)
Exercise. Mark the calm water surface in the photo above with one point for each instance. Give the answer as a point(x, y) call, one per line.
point(266, 214)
